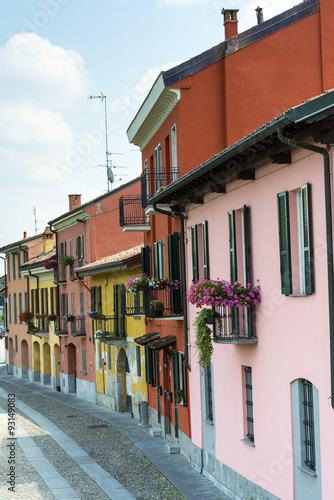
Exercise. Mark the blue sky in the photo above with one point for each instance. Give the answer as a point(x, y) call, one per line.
point(53, 55)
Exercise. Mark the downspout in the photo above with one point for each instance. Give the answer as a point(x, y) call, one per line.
point(58, 297)
point(28, 289)
point(183, 263)
point(329, 238)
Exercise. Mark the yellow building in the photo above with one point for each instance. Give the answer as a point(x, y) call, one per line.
point(120, 362)
point(44, 365)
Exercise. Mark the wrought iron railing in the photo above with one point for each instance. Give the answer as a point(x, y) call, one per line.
point(78, 327)
point(235, 324)
point(131, 212)
point(61, 326)
point(154, 303)
point(38, 325)
point(112, 326)
point(151, 182)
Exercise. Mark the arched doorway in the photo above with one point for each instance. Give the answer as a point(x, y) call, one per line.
point(24, 358)
point(46, 375)
point(121, 403)
point(36, 362)
point(72, 367)
point(10, 356)
point(56, 368)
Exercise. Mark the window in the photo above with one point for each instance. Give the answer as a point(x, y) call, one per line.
point(200, 251)
point(20, 305)
point(26, 302)
point(79, 247)
point(16, 344)
point(173, 241)
point(82, 312)
point(138, 359)
point(96, 298)
point(295, 241)
point(158, 167)
point(308, 427)
point(84, 366)
point(62, 248)
point(14, 267)
point(159, 259)
point(150, 362)
point(15, 308)
point(249, 434)
point(208, 393)
point(146, 260)
point(116, 309)
point(71, 248)
point(10, 307)
point(63, 304)
point(179, 372)
point(19, 264)
point(72, 304)
point(174, 154)
point(238, 235)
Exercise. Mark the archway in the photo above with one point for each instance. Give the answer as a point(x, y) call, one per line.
point(46, 375)
point(24, 358)
point(10, 356)
point(121, 382)
point(72, 367)
point(36, 362)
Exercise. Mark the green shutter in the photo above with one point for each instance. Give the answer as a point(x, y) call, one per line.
point(123, 309)
point(205, 238)
point(81, 246)
point(146, 260)
point(156, 259)
point(99, 298)
point(194, 247)
point(307, 237)
point(92, 298)
point(284, 242)
point(245, 225)
point(173, 256)
point(77, 247)
point(116, 329)
point(176, 370)
point(233, 247)
point(148, 367)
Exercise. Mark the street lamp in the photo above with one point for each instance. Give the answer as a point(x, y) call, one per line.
point(104, 98)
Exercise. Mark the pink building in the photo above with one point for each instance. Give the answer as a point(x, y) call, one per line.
point(261, 209)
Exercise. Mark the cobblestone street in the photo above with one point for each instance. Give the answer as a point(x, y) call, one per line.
point(64, 452)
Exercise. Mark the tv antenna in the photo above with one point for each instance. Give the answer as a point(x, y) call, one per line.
point(35, 218)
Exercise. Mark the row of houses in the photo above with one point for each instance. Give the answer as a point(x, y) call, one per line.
point(222, 249)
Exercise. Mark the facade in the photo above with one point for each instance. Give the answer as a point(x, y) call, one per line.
point(84, 234)
point(268, 365)
point(120, 363)
point(19, 345)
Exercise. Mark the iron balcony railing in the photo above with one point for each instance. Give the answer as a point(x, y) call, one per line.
point(38, 325)
point(131, 212)
point(61, 326)
point(78, 326)
point(153, 181)
point(235, 324)
point(154, 303)
point(110, 326)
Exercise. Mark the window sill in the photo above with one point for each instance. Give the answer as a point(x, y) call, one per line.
point(210, 422)
point(247, 441)
point(307, 470)
point(298, 294)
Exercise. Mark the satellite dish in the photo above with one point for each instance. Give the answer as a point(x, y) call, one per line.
point(110, 175)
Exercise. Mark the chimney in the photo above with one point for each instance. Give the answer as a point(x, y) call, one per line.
point(230, 22)
point(259, 13)
point(47, 240)
point(74, 201)
point(24, 235)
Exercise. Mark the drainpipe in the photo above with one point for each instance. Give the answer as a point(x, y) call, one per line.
point(181, 218)
point(329, 237)
point(58, 297)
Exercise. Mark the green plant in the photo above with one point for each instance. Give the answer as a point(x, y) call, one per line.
point(179, 396)
point(66, 260)
point(203, 342)
point(156, 305)
point(26, 316)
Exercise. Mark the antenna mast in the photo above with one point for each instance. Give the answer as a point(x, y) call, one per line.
point(34, 210)
point(104, 98)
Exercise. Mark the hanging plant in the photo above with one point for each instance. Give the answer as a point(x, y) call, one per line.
point(51, 317)
point(69, 318)
point(50, 264)
point(203, 341)
point(96, 315)
point(26, 316)
point(66, 260)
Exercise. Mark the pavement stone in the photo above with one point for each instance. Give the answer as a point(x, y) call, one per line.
point(175, 468)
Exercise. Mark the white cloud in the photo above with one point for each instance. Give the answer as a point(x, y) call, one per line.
point(31, 67)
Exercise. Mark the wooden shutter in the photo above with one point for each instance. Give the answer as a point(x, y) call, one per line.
point(77, 248)
point(156, 259)
point(81, 247)
point(307, 237)
point(233, 247)
point(205, 239)
point(194, 248)
point(123, 308)
point(116, 329)
point(245, 226)
point(176, 370)
point(173, 256)
point(99, 298)
point(148, 364)
point(92, 298)
point(146, 260)
point(284, 242)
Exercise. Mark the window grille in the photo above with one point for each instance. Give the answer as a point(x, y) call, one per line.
point(308, 422)
point(249, 404)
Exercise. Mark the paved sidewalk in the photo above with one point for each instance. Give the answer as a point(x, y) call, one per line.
point(175, 467)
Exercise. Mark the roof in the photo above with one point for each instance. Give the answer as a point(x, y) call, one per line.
point(39, 259)
point(263, 144)
point(20, 242)
point(122, 259)
point(148, 337)
point(92, 202)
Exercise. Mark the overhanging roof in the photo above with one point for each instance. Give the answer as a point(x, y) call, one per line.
point(163, 343)
point(310, 119)
point(148, 337)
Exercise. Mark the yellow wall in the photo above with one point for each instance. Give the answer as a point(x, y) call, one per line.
point(108, 380)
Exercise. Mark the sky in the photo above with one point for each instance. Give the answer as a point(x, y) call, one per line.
point(54, 54)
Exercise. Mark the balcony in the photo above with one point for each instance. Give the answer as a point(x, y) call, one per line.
point(236, 325)
point(162, 304)
point(61, 327)
point(38, 327)
point(111, 330)
point(132, 215)
point(78, 328)
point(151, 182)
